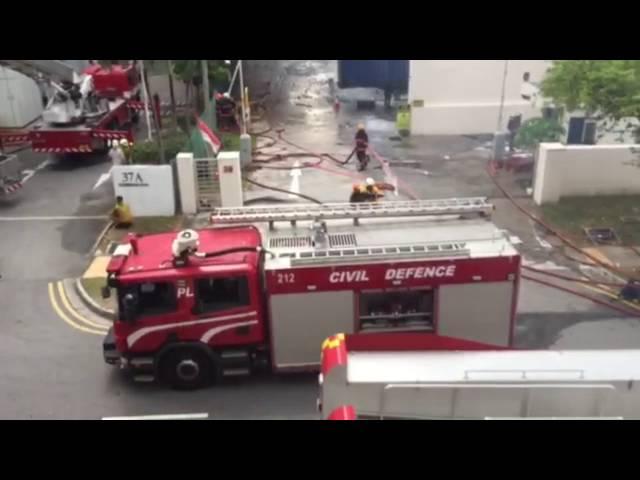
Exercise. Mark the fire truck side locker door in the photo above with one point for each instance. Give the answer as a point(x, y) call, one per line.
point(480, 312)
point(300, 322)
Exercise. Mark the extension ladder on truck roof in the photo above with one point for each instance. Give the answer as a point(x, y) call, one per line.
point(293, 213)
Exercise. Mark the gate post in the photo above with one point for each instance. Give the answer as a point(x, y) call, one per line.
point(230, 175)
point(187, 183)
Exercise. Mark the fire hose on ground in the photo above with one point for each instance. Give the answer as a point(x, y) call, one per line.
point(320, 158)
point(563, 239)
point(572, 279)
point(583, 295)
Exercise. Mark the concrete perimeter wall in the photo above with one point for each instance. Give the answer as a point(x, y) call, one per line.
point(585, 170)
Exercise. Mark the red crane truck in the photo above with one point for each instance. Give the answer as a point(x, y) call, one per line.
point(250, 293)
point(85, 110)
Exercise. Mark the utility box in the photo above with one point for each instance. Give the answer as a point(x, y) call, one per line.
point(230, 175)
point(245, 149)
point(500, 145)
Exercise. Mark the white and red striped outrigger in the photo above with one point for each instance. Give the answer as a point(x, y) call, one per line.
point(13, 188)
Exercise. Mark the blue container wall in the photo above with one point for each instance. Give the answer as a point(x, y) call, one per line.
point(374, 74)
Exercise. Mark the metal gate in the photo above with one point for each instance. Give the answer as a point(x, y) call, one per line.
point(207, 183)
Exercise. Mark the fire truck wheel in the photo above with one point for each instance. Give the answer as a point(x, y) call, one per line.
point(186, 369)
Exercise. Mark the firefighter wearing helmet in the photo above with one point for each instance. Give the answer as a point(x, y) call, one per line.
point(362, 144)
point(116, 154)
point(126, 148)
point(368, 192)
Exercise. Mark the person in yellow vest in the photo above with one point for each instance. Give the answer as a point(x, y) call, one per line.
point(403, 120)
point(121, 215)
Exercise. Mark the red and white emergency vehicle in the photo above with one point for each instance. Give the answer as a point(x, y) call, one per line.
point(237, 297)
point(429, 377)
point(84, 111)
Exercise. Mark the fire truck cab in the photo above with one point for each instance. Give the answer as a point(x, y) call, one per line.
point(235, 298)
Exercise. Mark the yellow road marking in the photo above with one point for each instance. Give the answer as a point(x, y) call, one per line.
point(72, 311)
point(611, 295)
point(64, 317)
point(98, 267)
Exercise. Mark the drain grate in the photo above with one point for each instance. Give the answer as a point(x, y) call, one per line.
point(290, 242)
point(341, 240)
point(602, 236)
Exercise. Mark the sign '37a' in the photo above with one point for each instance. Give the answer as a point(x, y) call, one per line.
point(132, 179)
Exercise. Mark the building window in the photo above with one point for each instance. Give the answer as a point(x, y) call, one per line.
point(147, 299)
point(398, 310)
point(217, 294)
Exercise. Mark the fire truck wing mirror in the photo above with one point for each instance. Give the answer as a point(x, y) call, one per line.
point(106, 292)
point(129, 307)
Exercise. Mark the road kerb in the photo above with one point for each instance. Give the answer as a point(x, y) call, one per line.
point(90, 303)
point(103, 234)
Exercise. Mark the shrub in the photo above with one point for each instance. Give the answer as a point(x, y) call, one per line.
point(538, 130)
point(148, 152)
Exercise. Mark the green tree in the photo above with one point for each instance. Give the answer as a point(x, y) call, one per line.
point(606, 89)
point(190, 72)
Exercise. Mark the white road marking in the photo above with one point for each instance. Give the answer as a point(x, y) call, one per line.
point(548, 265)
point(180, 416)
point(295, 174)
point(53, 218)
point(31, 173)
point(543, 243)
point(103, 178)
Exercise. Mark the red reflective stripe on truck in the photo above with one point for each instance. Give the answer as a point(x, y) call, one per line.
point(346, 412)
point(413, 341)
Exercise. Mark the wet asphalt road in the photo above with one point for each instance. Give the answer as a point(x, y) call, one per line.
point(52, 371)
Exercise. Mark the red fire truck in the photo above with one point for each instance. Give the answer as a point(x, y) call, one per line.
point(422, 376)
point(84, 110)
point(265, 286)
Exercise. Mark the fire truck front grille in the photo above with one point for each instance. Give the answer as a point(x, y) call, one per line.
point(290, 242)
point(342, 240)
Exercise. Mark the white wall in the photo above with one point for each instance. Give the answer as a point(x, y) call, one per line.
point(463, 96)
point(20, 99)
point(147, 189)
point(582, 170)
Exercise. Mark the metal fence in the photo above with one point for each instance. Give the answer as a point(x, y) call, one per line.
point(207, 183)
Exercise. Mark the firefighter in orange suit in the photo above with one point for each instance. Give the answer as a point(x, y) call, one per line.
point(367, 192)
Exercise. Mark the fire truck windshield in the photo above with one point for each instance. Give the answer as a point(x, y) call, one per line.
point(146, 299)
point(217, 294)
